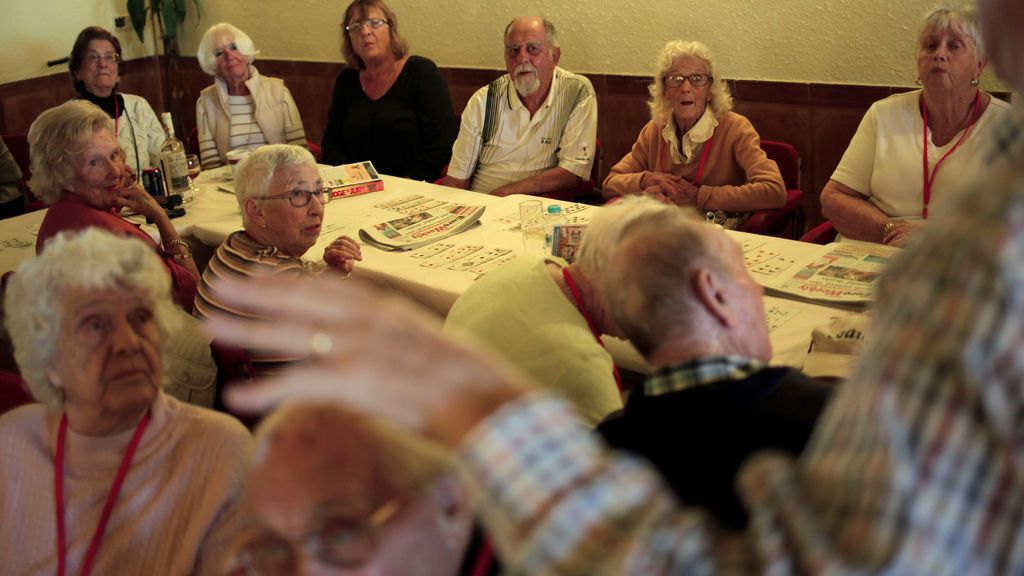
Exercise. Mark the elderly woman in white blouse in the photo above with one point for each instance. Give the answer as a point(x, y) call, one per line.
point(242, 109)
point(107, 473)
point(913, 150)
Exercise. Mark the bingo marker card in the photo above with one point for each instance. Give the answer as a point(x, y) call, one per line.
point(449, 256)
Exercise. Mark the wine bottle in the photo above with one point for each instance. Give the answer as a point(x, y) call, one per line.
point(172, 159)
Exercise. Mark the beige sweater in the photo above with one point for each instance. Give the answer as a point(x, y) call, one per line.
point(177, 510)
point(737, 176)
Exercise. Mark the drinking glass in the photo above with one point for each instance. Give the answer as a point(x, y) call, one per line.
point(531, 221)
point(193, 166)
point(192, 161)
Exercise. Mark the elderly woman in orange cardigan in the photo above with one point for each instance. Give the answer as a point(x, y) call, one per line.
point(695, 151)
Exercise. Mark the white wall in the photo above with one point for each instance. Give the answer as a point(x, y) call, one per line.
point(36, 31)
point(868, 42)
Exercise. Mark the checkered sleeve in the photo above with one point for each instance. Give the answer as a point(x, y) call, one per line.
point(555, 501)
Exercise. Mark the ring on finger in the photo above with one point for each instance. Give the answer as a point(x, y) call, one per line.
point(320, 343)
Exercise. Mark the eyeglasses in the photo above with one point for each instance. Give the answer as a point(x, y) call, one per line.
point(696, 80)
point(95, 58)
point(338, 542)
point(300, 198)
point(373, 23)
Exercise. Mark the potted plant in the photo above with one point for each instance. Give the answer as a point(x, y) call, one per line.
point(166, 16)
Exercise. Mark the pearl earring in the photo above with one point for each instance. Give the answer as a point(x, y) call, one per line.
point(974, 81)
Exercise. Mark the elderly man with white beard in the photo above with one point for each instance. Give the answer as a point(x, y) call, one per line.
point(534, 129)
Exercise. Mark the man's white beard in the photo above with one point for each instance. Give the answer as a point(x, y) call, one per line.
point(526, 85)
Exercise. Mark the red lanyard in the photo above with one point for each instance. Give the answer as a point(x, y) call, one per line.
point(117, 116)
point(484, 559)
point(108, 506)
point(929, 177)
point(700, 165)
point(578, 298)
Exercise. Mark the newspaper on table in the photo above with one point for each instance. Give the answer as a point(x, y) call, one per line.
point(423, 227)
point(841, 273)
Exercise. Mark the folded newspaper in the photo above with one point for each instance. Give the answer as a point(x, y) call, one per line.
point(421, 228)
point(351, 179)
point(841, 273)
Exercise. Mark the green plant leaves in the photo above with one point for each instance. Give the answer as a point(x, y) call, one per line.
point(172, 13)
point(137, 10)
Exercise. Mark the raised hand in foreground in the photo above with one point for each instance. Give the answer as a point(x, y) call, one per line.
point(375, 352)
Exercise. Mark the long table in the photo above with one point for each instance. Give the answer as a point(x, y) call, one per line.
point(214, 214)
point(438, 288)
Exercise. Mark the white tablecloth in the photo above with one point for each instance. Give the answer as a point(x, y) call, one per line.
point(214, 214)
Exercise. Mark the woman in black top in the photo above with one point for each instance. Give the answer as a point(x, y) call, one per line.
point(388, 107)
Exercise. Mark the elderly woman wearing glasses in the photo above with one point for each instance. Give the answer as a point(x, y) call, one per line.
point(96, 67)
point(106, 472)
point(282, 201)
point(241, 110)
point(330, 491)
point(695, 151)
point(388, 106)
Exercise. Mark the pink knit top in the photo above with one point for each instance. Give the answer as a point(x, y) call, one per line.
point(176, 513)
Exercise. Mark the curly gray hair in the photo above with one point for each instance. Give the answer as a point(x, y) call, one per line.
point(257, 170)
point(55, 138)
point(93, 259)
point(661, 111)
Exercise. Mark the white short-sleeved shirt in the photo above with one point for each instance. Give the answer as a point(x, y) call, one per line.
point(562, 133)
point(883, 161)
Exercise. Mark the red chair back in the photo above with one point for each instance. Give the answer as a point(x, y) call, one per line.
point(788, 160)
point(788, 220)
point(821, 234)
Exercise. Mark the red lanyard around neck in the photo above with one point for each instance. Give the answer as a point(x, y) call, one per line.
point(700, 165)
point(929, 176)
point(108, 506)
point(117, 118)
point(577, 297)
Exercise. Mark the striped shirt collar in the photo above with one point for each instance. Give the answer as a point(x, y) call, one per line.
point(699, 372)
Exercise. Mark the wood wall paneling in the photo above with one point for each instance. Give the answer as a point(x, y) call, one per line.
point(818, 119)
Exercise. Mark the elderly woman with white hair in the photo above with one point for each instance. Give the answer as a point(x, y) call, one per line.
point(916, 147)
point(137, 481)
point(282, 199)
point(78, 168)
point(695, 151)
point(547, 317)
point(242, 110)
